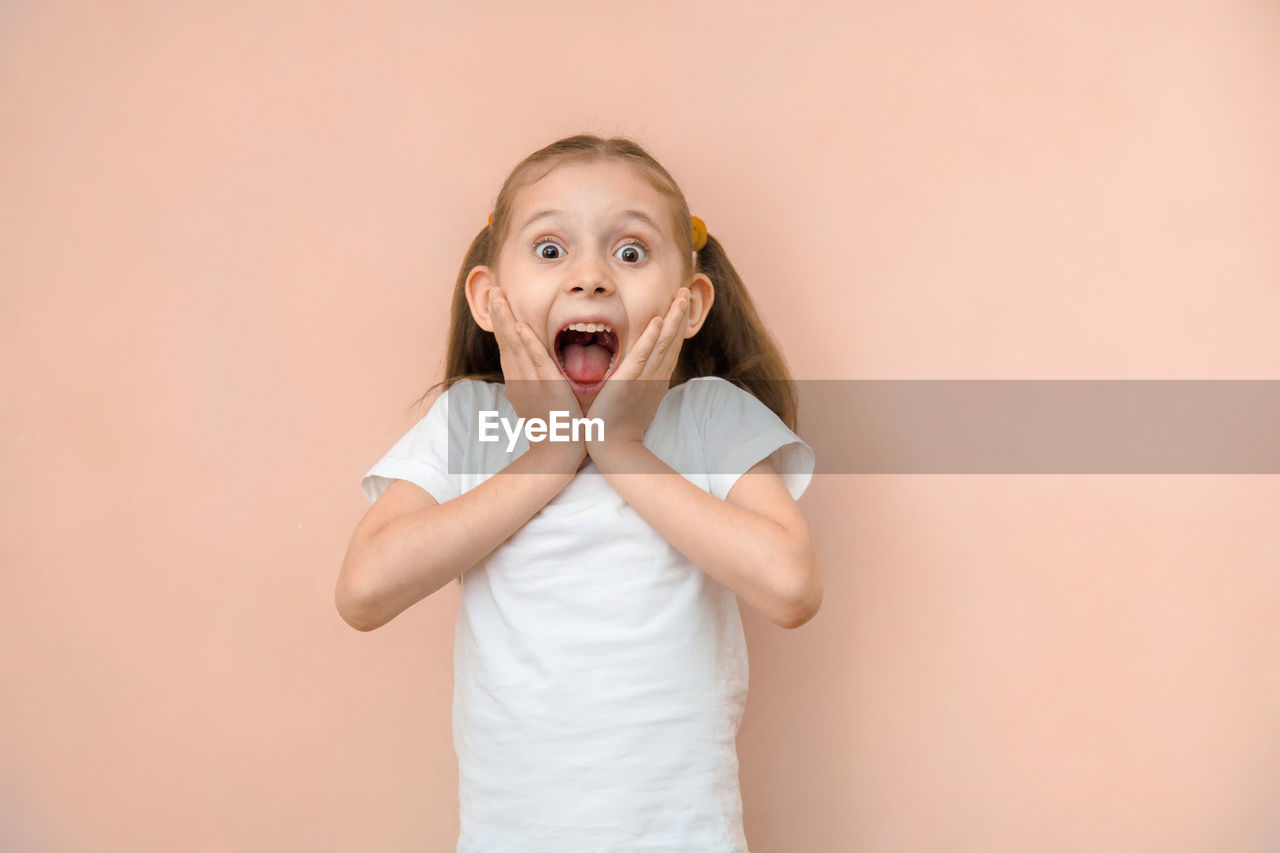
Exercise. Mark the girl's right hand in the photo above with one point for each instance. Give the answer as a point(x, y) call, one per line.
point(534, 385)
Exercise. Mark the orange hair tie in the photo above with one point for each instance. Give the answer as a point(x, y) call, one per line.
point(699, 232)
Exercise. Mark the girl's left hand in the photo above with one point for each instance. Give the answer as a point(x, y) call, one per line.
point(627, 407)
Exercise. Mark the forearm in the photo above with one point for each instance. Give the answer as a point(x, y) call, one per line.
point(418, 553)
point(752, 555)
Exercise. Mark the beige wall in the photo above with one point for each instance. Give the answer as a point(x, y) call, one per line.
point(227, 236)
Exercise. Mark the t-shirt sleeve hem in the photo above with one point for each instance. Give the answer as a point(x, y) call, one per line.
point(434, 482)
point(792, 458)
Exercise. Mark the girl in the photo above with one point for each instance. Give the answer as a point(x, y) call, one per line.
point(600, 668)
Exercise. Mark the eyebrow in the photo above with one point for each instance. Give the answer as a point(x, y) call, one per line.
point(626, 214)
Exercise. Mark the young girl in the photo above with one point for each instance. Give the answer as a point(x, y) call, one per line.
point(600, 668)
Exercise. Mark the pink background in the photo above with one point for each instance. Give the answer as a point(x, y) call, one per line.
point(227, 237)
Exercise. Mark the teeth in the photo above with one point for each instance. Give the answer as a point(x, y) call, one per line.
point(594, 327)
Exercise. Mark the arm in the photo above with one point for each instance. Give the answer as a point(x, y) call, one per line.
point(422, 548)
point(757, 543)
point(392, 567)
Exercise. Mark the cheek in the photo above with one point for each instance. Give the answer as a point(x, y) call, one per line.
point(655, 305)
point(533, 313)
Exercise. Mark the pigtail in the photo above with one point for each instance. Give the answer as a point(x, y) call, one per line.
point(734, 343)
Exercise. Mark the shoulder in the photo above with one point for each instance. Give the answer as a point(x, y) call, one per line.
point(707, 394)
point(466, 388)
point(709, 385)
point(714, 387)
point(452, 409)
point(739, 431)
point(714, 400)
point(470, 393)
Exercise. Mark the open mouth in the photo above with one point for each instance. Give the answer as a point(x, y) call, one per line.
point(587, 354)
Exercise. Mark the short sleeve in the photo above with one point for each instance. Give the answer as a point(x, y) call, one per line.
point(421, 456)
point(738, 431)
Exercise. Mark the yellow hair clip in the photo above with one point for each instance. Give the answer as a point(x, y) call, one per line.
point(699, 232)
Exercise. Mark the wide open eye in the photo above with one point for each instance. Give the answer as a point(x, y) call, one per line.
point(635, 252)
point(540, 249)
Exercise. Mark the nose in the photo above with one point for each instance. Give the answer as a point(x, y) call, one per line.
point(590, 275)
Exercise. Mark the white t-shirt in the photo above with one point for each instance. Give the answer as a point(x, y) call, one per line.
point(599, 675)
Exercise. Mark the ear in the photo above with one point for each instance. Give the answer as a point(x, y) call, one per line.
point(479, 280)
point(702, 293)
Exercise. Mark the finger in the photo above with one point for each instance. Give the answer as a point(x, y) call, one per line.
point(509, 343)
point(543, 371)
point(537, 352)
point(546, 370)
point(506, 349)
point(533, 361)
point(634, 363)
point(661, 363)
point(497, 319)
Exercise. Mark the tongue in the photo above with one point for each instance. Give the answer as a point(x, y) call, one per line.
point(586, 363)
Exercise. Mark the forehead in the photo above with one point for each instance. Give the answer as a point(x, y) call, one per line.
point(591, 192)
